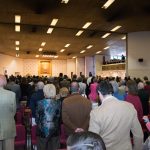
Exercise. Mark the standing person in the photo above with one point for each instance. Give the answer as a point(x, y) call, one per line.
point(75, 111)
point(48, 120)
point(113, 120)
point(7, 113)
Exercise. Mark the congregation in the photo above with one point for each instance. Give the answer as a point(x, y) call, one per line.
point(110, 107)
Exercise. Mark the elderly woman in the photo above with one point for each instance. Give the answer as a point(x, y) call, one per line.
point(48, 120)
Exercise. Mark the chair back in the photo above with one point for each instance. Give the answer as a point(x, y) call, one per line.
point(63, 136)
point(33, 135)
point(19, 118)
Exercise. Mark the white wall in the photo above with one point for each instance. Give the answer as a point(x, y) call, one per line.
point(80, 66)
point(98, 64)
point(138, 47)
point(71, 66)
point(11, 64)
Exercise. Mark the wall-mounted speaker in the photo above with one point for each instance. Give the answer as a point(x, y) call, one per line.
point(140, 59)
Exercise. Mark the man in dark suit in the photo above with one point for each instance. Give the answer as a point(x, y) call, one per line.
point(75, 111)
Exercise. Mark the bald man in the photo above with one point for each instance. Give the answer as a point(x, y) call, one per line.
point(75, 111)
point(7, 113)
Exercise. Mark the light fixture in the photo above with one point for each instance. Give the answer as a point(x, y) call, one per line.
point(74, 57)
point(49, 54)
point(115, 28)
point(40, 49)
point(17, 48)
point(17, 28)
point(37, 56)
point(17, 18)
point(17, 42)
point(50, 30)
point(17, 55)
point(107, 4)
point(105, 35)
point(65, 1)
point(79, 32)
point(123, 38)
point(54, 21)
point(83, 51)
point(43, 43)
point(67, 45)
point(90, 46)
point(106, 47)
point(55, 56)
point(62, 50)
point(98, 52)
point(87, 25)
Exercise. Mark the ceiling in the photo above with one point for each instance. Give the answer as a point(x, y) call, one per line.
point(36, 17)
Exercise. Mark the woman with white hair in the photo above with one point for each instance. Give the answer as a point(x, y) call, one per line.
point(48, 120)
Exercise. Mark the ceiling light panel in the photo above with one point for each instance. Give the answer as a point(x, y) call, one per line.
point(43, 43)
point(50, 30)
point(98, 52)
point(74, 57)
point(82, 52)
point(106, 47)
point(17, 55)
point(87, 25)
point(79, 32)
point(123, 38)
point(54, 21)
point(17, 28)
point(17, 18)
point(62, 50)
point(90, 46)
point(17, 42)
point(40, 49)
point(107, 4)
point(105, 35)
point(115, 28)
point(65, 1)
point(17, 48)
point(67, 45)
point(55, 56)
point(37, 56)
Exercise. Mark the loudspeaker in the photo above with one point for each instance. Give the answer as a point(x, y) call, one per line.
point(140, 59)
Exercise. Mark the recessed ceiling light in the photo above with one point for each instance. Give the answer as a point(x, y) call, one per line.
point(55, 56)
point(74, 57)
point(54, 21)
point(17, 42)
point(17, 48)
point(17, 55)
point(105, 35)
point(43, 43)
point(98, 52)
point(79, 32)
point(40, 49)
point(82, 51)
point(67, 45)
point(90, 46)
point(107, 4)
point(62, 50)
point(17, 18)
point(65, 1)
point(50, 30)
point(106, 47)
point(87, 25)
point(17, 28)
point(115, 28)
point(123, 38)
point(36, 55)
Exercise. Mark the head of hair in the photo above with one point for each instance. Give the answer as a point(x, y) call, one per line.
point(79, 79)
point(49, 91)
point(40, 85)
point(105, 88)
point(63, 92)
point(145, 78)
point(74, 87)
point(85, 141)
point(132, 87)
point(3, 80)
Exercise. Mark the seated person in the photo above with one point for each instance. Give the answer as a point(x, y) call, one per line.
point(85, 141)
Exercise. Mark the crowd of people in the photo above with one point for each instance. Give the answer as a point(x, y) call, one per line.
point(109, 110)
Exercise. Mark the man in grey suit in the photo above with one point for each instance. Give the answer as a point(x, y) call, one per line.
point(7, 113)
point(75, 111)
point(114, 120)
